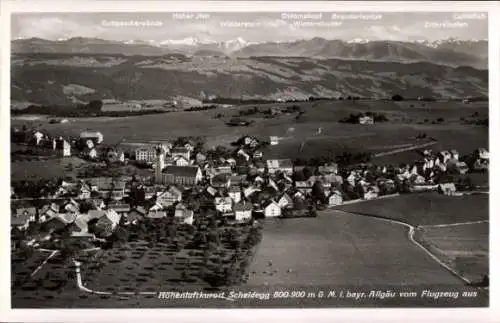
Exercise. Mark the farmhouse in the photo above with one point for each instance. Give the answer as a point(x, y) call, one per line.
point(304, 187)
point(272, 209)
point(447, 188)
point(22, 218)
point(95, 136)
point(365, 120)
point(220, 181)
point(235, 194)
point(120, 208)
point(181, 175)
point(285, 201)
point(107, 223)
point(223, 204)
point(62, 147)
point(169, 197)
point(181, 152)
point(282, 165)
point(243, 211)
point(184, 214)
point(328, 169)
point(181, 161)
point(47, 212)
point(335, 198)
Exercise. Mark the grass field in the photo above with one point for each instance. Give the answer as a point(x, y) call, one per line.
point(464, 247)
point(402, 129)
point(428, 208)
point(337, 248)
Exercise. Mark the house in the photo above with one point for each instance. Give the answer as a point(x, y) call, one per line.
point(257, 154)
point(223, 204)
point(107, 224)
point(482, 153)
point(154, 207)
point(181, 175)
point(221, 181)
point(133, 217)
point(447, 188)
point(95, 136)
point(274, 140)
point(260, 166)
point(224, 169)
point(335, 198)
point(248, 141)
point(454, 154)
point(237, 180)
point(366, 120)
point(460, 167)
point(98, 204)
point(304, 187)
point(83, 191)
point(71, 206)
point(120, 208)
point(47, 212)
point(272, 209)
point(231, 162)
point(181, 152)
point(156, 214)
point(285, 201)
point(444, 156)
point(38, 136)
point(370, 192)
point(22, 217)
point(235, 194)
point(242, 211)
point(169, 197)
point(184, 214)
point(146, 154)
point(109, 187)
point(181, 161)
point(282, 165)
point(243, 154)
point(250, 190)
point(211, 191)
point(62, 147)
point(328, 169)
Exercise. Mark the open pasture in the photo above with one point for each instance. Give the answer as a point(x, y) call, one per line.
point(429, 208)
point(300, 137)
point(464, 247)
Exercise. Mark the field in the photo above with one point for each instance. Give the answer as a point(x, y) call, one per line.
point(428, 208)
point(341, 249)
point(463, 247)
point(300, 138)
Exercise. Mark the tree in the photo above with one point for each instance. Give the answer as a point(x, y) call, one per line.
point(318, 192)
point(95, 105)
point(397, 97)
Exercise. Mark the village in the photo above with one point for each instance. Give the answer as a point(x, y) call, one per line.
point(235, 184)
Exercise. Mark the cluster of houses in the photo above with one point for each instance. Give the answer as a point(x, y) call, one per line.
point(241, 186)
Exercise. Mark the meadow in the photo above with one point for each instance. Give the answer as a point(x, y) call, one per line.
point(341, 249)
point(299, 136)
point(464, 247)
point(429, 208)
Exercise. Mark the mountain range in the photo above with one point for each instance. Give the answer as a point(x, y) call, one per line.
point(450, 52)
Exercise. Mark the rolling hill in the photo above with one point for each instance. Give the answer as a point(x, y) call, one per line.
point(46, 78)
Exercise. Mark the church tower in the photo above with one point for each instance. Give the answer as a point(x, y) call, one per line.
point(159, 165)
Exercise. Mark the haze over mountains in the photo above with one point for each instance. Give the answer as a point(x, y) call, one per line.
point(448, 52)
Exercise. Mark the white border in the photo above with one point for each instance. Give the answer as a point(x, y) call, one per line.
point(246, 315)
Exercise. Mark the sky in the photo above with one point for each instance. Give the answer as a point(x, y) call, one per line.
point(252, 27)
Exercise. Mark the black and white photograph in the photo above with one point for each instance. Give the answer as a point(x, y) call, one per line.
point(217, 159)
